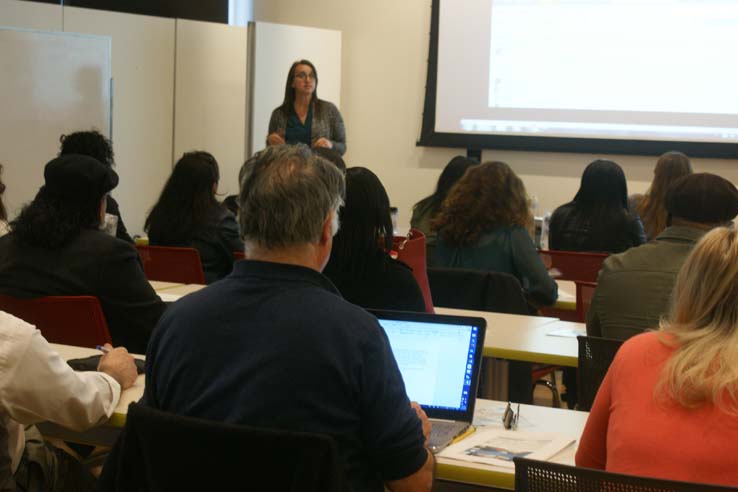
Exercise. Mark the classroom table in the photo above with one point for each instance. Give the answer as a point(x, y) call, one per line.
point(567, 299)
point(487, 413)
point(160, 286)
point(172, 292)
point(525, 338)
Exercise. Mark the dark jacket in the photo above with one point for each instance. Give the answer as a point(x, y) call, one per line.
point(572, 230)
point(216, 242)
point(95, 264)
point(326, 123)
point(385, 284)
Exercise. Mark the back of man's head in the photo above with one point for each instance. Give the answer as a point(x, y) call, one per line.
point(702, 198)
point(287, 193)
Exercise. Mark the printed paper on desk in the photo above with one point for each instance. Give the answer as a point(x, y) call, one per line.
point(499, 447)
point(168, 297)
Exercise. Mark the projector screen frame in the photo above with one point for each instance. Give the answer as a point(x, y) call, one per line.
point(429, 137)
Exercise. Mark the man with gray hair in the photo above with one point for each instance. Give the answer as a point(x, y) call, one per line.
point(274, 345)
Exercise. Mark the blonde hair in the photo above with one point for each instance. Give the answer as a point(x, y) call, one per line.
point(670, 167)
point(703, 326)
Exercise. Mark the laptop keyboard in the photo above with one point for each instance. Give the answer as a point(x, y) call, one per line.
point(443, 432)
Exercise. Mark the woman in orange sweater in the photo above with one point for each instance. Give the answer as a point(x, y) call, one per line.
point(668, 407)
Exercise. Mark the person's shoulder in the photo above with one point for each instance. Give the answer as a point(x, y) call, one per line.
point(648, 344)
point(103, 243)
point(14, 331)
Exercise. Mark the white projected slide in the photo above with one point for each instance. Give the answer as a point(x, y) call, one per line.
point(432, 360)
point(629, 69)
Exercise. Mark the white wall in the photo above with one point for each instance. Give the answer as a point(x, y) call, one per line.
point(210, 101)
point(385, 51)
point(143, 103)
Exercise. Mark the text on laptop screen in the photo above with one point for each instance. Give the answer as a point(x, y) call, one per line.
point(436, 361)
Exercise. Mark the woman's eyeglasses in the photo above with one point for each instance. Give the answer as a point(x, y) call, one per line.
point(305, 75)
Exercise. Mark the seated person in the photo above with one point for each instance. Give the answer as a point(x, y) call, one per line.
point(188, 214)
point(360, 266)
point(3, 211)
point(484, 224)
point(634, 288)
point(94, 144)
point(56, 248)
point(651, 207)
point(37, 385)
point(427, 208)
point(667, 407)
point(283, 349)
point(597, 219)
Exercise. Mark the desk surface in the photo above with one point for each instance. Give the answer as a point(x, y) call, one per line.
point(488, 413)
point(567, 299)
point(525, 338)
point(158, 285)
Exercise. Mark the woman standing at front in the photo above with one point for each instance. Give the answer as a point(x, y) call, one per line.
point(302, 117)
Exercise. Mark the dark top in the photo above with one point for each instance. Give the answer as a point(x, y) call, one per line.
point(572, 230)
point(505, 250)
point(121, 232)
point(275, 346)
point(385, 284)
point(216, 242)
point(93, 264)
point(297, 131)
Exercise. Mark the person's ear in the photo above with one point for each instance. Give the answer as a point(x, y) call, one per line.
point(326, 234)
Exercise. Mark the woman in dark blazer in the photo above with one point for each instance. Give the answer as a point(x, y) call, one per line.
point(188, 214)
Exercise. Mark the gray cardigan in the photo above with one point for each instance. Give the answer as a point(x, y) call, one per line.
point(327, 123)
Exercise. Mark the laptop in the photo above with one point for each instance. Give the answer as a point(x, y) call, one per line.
point(440, 358)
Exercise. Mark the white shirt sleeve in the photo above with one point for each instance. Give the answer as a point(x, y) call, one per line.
point(44, 388)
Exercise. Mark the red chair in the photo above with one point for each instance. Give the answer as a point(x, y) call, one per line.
point(410, 250)
point(170, 264)
point(574, 266)
point(71, 320)
point(585, 293)
point(238, 255)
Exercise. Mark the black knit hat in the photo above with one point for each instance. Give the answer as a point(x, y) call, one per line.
point(79, 177)
point(702, 197)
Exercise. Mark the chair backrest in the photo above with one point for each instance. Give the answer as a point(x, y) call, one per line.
point(163, 451)
point(534, 476)
point(170, 264)
point(477, 290)
point(410, 250)
point(71, 320)
point(595, 356)
point(585, 292)
point(238, 255)
point(573, 265)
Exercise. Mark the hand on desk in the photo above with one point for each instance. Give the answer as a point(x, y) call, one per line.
point(423, 420)
point(118, 364)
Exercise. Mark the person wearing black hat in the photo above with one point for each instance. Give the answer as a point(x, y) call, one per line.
point(56, 247)
point(634, 287)
point(95, 144)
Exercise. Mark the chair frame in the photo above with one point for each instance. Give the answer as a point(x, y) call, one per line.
point(533, 475)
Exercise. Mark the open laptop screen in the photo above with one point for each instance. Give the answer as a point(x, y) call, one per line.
point(438, 357)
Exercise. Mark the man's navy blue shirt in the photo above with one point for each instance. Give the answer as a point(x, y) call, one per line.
point(275, 346)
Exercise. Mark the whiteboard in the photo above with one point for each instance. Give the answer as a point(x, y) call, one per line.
point(51, 83)
point(275, 48)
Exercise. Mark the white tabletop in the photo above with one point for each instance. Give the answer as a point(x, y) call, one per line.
point(567, 295)
point(525, 338)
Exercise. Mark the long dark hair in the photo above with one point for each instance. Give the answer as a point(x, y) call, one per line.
point(365, 223)
point(187, 200)
point(602, 198)
point(453, 171)
point(51, 222)
point(3, 211)
point(289, 91)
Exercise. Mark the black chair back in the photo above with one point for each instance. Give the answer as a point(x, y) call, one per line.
point(540, 476)
point(158, 451)
point(476, 290)
point(595, 356)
